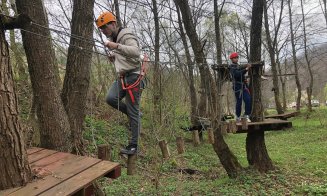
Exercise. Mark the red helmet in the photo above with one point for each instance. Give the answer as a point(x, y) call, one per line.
point(233, 55)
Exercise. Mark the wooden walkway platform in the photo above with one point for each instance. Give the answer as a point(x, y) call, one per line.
point(284, 116)
point(266, 125)
point(63, 174)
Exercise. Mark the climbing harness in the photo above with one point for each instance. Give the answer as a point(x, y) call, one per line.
point(135, 86)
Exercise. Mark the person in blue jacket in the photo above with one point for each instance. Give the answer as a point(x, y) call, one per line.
point(240, 87)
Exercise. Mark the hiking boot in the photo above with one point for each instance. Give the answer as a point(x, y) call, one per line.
point(129, 150)
point(247, 118)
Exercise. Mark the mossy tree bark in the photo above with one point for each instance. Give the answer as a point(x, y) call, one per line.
point(14, 168)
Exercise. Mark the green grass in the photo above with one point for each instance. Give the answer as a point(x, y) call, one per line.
point(299, 154)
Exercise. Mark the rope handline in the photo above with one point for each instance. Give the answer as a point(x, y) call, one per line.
point(53, 39)
point(78, 37)
point(66, 42)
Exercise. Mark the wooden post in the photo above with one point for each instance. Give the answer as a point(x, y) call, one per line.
point(232, 126)
point(196, 139)
point(80, 192)
point(180, 145)
point(244, 123)
point(131, 164)
point(104, 152)
point(223, 128)
point(164, 149)
point(200, 135)
point(211, 138)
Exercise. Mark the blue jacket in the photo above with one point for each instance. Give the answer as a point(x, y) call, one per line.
point(237, 73)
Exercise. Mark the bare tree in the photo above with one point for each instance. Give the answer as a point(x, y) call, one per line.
point(117, 11)
point(256, 150)
point(296, 69)
point(217, 30)
point(156, 71)
point(308, 61)
point(272, 44)
point(282, 80)
point(190, 70)
point(227, 158)
point(324, 9)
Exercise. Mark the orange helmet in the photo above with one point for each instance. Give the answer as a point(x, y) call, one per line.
point(233, 55)
point(105, 18)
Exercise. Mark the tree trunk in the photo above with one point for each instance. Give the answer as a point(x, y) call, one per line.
point(257, 154)
point(164, 149)
point(156, 72)
point(306, 55)
point(55, 129)
point(180, 145)
point(14, 168)
point(324, 10)
point(283, 82)
point(219, 74)
point(217, 31)
point(226, 156)
point(271, 49)
point(228, 160)
point(117, 11)
point(296, 69)
point(77, 78)
point(190, 69)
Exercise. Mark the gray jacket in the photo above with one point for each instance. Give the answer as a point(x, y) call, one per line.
point(127, 55)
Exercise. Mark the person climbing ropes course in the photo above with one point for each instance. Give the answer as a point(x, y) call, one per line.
point(125, 55)
point(240, 86)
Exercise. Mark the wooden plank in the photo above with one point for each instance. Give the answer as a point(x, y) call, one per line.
point(33, 150)
point(59, 171)
point(40, 154)
point(284, 116)
point(39, 164)
point(50, 159)
point(266, 125)
point(8, 191)
point(82, 179)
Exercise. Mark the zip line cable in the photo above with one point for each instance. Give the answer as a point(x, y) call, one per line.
point(53, 39)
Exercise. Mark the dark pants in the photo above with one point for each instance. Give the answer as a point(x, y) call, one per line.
point(132, 110)
point(245, 95)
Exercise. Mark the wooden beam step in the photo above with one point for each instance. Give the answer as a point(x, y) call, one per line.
point(81, 180)
point(58, 171)
point(266, 125)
